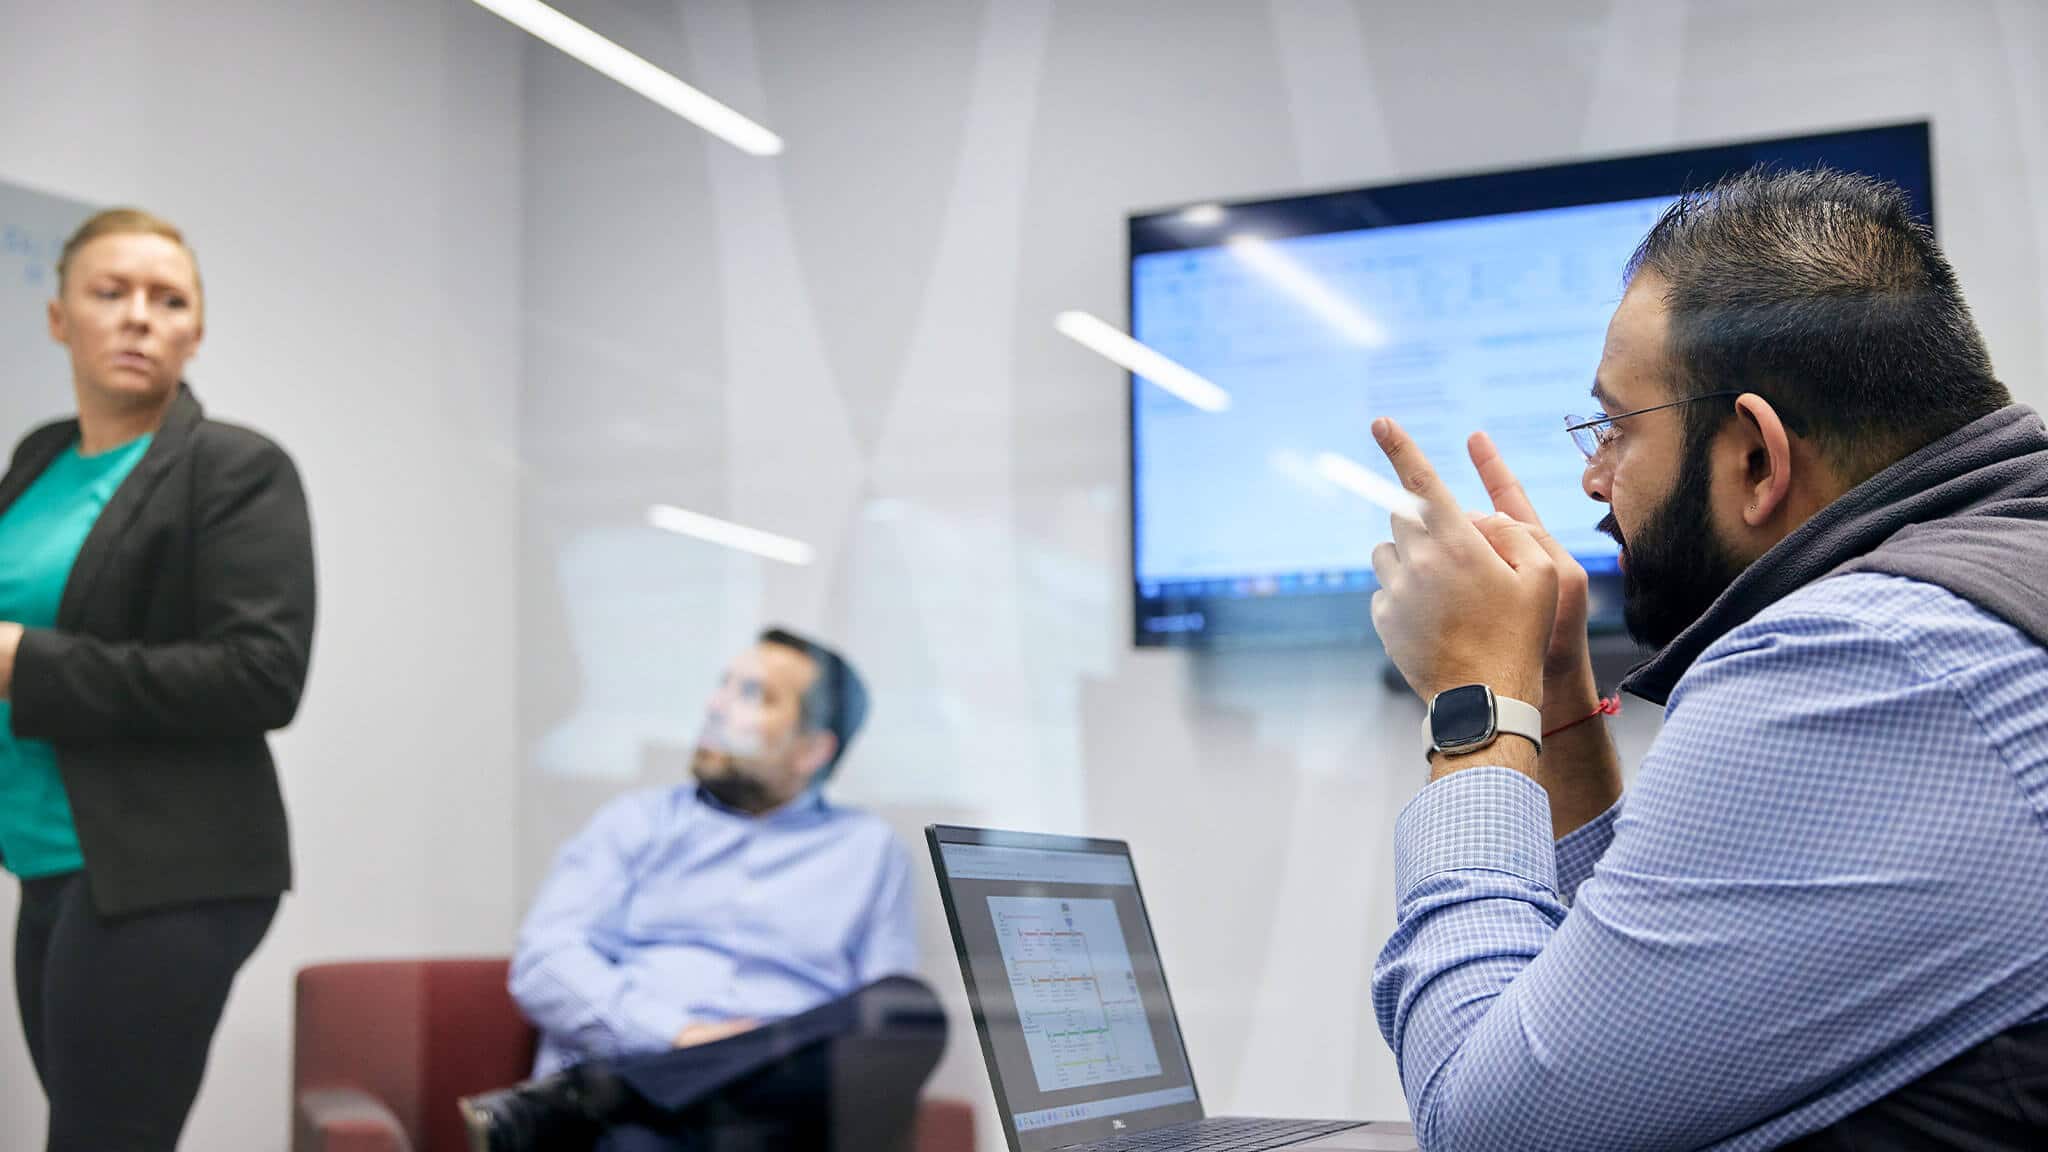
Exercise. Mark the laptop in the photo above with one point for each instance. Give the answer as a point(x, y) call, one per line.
point(1083, 1047)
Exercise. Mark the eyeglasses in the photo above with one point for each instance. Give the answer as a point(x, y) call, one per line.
point(1592, 434)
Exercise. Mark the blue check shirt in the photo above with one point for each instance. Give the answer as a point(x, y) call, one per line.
point(671, 909)
point(1829, 877)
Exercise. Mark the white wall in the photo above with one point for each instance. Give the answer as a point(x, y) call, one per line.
point(349, 174)
point(852, 344)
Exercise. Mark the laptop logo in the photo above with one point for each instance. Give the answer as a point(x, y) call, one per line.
point(1116, 1125)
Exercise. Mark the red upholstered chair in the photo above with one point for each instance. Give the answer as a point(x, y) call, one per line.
point(382, 1050)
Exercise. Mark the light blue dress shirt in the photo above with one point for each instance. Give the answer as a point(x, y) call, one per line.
point(671, 909)
point(1829, 877)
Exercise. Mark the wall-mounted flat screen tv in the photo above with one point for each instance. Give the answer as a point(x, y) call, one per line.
point(1457, 304)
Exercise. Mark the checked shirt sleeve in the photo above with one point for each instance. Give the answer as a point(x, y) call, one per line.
point(1787, 923)
point(1581, 848)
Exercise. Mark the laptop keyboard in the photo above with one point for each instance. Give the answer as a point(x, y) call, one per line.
point(1222, 1134)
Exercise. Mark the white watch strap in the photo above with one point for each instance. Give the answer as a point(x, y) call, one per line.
point(1511, 717)
point(1518, 718)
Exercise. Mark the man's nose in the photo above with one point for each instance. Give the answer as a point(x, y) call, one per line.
point(721, 702)
point(1595, 480)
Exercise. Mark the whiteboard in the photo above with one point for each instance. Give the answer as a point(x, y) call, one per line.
point(35, 375)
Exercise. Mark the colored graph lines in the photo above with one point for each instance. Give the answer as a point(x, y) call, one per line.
point(1077, 996)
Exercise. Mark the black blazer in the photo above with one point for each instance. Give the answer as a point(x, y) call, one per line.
point(182, 638)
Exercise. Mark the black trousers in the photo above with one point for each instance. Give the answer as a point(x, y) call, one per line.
point(844, 1077)
point(120, 1012)
point(1993, 1098)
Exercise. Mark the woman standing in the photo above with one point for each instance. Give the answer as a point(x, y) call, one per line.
point(156, 617)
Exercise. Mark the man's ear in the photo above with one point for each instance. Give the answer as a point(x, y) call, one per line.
point(1766, 457)
point(55, 312)
point(815, 752)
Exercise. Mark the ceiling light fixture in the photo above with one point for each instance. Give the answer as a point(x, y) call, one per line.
point(712, 530)
point(1308, 289)
point(1106, 341)
point(636, 73)
point(1359, 480)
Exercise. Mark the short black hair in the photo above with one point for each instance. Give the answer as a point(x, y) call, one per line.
point(837, 701)
point(1823, 293)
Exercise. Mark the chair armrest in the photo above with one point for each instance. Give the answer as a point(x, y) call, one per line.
point(346, 1120)
point(945, 1126)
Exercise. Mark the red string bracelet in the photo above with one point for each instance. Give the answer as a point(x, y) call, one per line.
point(1609, 706)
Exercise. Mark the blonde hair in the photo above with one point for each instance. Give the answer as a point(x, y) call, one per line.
point(123, 222)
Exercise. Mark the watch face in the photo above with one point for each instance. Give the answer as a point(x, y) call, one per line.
point(1462, 717)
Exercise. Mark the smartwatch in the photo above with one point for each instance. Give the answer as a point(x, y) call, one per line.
point(1469, 718)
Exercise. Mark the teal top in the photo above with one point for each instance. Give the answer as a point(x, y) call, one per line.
point(40, 537)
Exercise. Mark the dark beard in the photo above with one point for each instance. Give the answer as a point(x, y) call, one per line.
point(739, 793)
point(1677, 565)
point(729, 782)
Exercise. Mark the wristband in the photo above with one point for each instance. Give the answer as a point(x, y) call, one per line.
point(1609, 706)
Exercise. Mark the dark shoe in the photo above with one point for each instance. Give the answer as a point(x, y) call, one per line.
point(551, 1115)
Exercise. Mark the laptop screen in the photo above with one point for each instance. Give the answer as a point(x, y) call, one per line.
point(1069, 995)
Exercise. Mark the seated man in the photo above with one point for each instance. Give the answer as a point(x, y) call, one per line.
point(683, 918)
point(1817, 919)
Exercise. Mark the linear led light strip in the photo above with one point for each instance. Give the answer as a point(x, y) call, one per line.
point(1308, 289)
point(710, 529)
point(1359, 480)
point(1106, 341)
point(664, 89)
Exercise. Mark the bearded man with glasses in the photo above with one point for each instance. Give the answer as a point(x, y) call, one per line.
point(1819, 919)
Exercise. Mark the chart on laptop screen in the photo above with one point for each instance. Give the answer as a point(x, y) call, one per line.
point(1076, 991)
